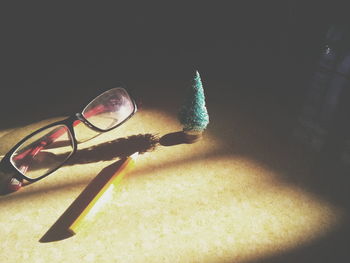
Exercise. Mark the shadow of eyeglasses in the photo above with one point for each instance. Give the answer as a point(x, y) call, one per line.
point(111, 150)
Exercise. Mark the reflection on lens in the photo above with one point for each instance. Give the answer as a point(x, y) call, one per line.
point(43, 152)
point(109, 109)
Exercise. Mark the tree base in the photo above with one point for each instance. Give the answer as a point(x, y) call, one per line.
point(192, 136)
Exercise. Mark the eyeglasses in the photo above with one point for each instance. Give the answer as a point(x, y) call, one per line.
point(47, 149)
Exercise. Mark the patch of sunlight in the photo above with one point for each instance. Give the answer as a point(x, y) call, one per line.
point(185, 203)
point(221, 208)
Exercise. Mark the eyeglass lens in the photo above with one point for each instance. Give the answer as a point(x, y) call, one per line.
point(43, 152)
point(109, 109)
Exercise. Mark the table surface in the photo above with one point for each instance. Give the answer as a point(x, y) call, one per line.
point(235, 196)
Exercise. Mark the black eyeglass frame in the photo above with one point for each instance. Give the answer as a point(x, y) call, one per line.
point(7, 165)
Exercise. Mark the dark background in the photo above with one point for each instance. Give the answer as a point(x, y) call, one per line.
point(55, 54)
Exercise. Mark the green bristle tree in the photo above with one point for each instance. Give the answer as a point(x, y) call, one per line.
point(193, 114)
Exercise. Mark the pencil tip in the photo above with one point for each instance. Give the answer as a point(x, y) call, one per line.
point(134, 155)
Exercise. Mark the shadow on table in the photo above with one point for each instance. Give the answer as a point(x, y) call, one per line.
point(124, 147)
point(120, 148)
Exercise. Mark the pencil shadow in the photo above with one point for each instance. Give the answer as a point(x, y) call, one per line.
point(60, 229)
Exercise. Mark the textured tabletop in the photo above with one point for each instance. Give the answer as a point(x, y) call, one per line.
point(231, 197)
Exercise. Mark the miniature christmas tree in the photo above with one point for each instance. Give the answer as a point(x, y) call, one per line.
point(193, 114)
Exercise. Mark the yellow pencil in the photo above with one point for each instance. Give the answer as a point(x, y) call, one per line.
point(115, 180)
